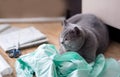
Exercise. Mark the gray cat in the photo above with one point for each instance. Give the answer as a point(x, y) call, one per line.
point(85, 34)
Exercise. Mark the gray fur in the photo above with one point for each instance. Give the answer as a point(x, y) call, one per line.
point(85, 34)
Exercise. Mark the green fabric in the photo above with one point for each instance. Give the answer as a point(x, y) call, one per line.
point(47, 62)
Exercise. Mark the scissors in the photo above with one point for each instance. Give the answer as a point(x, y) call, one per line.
point(15, 53)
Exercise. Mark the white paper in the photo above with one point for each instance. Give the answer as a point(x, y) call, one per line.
point(23, 36)
point(5, 69)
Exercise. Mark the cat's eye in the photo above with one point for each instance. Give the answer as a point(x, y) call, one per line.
point(66, 39)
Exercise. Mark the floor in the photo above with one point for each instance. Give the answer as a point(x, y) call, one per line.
point(52, 30)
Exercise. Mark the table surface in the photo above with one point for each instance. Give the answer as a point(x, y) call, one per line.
point(52, 30)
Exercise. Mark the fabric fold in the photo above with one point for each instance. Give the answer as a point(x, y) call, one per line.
point(45, 61)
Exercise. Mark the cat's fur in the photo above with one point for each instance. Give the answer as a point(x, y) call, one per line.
point(85, 34)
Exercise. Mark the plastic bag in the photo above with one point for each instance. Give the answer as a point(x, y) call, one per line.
point(47, 62)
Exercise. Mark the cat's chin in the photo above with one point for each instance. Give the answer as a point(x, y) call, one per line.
point(67, 50)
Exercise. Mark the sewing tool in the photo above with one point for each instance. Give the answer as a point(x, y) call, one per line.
point(14, 53)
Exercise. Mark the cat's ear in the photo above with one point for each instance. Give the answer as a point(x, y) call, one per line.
point(77, 30)
point(64, 23)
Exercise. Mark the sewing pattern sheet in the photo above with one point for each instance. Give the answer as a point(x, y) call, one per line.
point(23, 36)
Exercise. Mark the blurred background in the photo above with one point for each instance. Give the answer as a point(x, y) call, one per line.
point(38, 8)
point(31, 8)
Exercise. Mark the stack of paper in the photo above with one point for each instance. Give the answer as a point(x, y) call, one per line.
point(25, 37)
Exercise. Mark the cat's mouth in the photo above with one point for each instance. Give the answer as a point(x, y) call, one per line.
point(68, 50)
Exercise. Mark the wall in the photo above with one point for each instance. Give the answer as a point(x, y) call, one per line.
point(31, 8)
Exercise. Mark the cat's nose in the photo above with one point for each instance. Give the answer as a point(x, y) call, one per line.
point(62, 42)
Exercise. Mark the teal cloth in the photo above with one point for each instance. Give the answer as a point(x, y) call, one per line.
point(45, 61)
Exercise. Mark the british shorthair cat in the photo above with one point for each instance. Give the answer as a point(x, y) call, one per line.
point(85, 34)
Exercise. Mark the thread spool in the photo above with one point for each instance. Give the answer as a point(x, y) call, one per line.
point(5, 69)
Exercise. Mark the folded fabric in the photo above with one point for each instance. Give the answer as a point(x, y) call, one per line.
point(5, 68)
point(0, 75)
point(47, 62)
point(3, 27)
point(29, 36)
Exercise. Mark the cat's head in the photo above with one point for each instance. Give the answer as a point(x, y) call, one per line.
point(72, 36)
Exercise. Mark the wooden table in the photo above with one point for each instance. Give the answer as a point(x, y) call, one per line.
point(52, 30)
